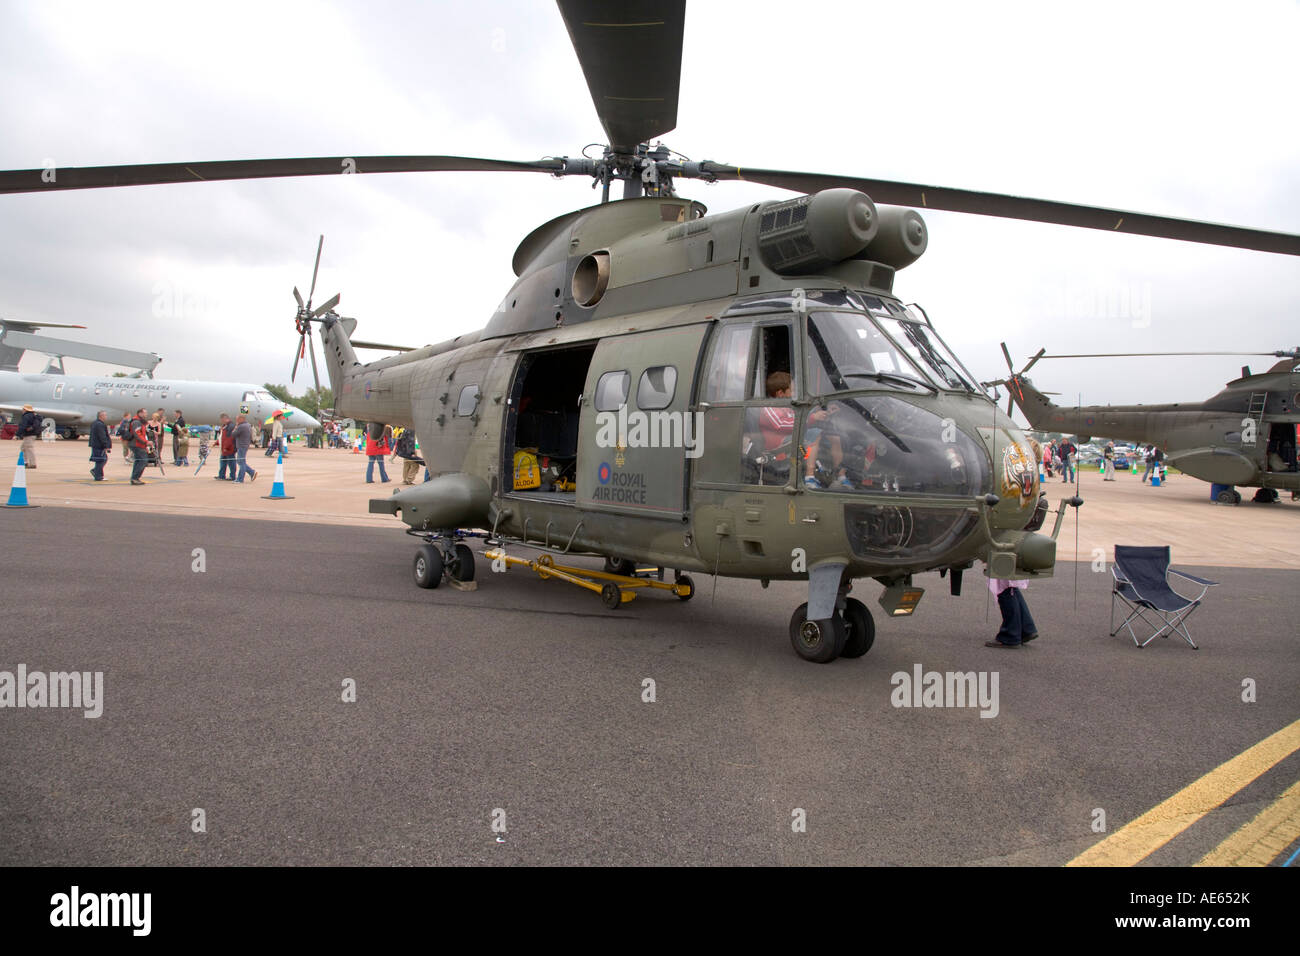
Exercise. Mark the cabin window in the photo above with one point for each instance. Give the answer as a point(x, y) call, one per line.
point(611, 391)
point(657, 387)
point(729, 363)
point(468, 401)
point(249, 396)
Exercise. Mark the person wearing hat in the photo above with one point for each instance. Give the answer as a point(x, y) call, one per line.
point(277, 433)
point(29, 429)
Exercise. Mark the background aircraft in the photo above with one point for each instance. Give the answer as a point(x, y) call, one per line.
point(72, 401)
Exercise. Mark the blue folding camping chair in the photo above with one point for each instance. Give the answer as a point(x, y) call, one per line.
point(1142, 583)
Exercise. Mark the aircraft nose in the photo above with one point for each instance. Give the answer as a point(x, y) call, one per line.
point(300, 419)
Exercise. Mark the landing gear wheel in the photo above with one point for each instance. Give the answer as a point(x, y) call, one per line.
point(611, 595)
point(1266, 496)
point(685, 582)
point(1236, 497)
point(861, 629)
point(816, 641)
point(428, 566)
point(1228, 497)
point(462, 569)
point(620, 566)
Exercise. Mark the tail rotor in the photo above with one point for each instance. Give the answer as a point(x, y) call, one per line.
point(304, 317)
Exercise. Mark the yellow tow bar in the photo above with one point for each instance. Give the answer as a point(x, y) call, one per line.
point(616, 590)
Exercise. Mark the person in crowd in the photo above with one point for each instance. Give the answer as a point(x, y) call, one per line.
point(178, 429)
point(243, 438)
point(141, 446)
point(1067, 450)
point(100, 445)
point(1108, 461)
point(29, 429)
point(376, 449)
point(181, 439)
point(405, 450)
point(1154, 458)
point(124, 433)
point(276, 444)
point(225, 440)
point(157, 426)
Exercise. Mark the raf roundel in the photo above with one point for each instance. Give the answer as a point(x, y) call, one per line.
point(603, 473)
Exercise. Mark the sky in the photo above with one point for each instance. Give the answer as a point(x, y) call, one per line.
point(1183, 109)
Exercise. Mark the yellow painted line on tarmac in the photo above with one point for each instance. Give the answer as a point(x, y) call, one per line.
point(1264, 838)
point(1141, 837)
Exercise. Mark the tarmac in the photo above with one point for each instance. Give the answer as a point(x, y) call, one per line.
point(523, 723)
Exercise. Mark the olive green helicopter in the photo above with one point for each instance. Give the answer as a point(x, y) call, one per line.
point(739, 394)
point(1243, 435)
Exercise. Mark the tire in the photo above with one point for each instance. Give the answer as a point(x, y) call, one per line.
point(427, 567)
point(621, 566)
point(611, 596)
point(1226, 497)
point(817, 641)
point(684, 580)
point(860, 628)
point(463, 568)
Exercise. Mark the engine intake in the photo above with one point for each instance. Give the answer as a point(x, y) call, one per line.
point(801, 236)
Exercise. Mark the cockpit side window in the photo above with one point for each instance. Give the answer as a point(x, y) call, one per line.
point(729, 363)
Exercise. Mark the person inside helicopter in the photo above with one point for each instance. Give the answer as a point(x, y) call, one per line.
point(1281, 447)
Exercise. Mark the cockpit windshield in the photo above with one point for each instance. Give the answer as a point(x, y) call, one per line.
point(846, 350)
point(922, 345)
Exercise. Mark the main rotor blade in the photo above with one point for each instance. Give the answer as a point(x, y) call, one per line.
point(1037, 355)
point(311, 347)
point(1150, 354)
point(96, 177)
point(1010, 364)
point(297, 295)
point(1016, 207)
point(631, 55)
point(314, 271)
point(297, 357)
point(322, 309)
point(357, 344)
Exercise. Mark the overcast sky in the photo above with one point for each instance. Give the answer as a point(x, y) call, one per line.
point(1183, 109)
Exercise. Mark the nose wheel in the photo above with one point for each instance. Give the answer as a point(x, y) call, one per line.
point(849, 633)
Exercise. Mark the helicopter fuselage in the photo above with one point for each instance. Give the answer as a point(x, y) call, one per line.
point(655, 432)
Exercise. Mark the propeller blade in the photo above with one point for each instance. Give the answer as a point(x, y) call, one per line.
point(298, 296)
point(1010, 365)
point(311, 347)
point(314, 271)
point(147, 174)
point(1037, 355)
point(322, 309)
point(631, 55)
point(1016, 207)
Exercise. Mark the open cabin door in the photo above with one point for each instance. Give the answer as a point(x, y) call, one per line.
point(638, 431)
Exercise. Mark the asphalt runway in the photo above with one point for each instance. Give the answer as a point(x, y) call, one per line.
point(222, 691)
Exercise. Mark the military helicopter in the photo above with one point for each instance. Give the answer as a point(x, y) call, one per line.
point(739, 394)
point(1245, 435)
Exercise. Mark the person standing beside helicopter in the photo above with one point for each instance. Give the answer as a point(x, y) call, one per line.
point(377, 446)
point(1108, 461)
